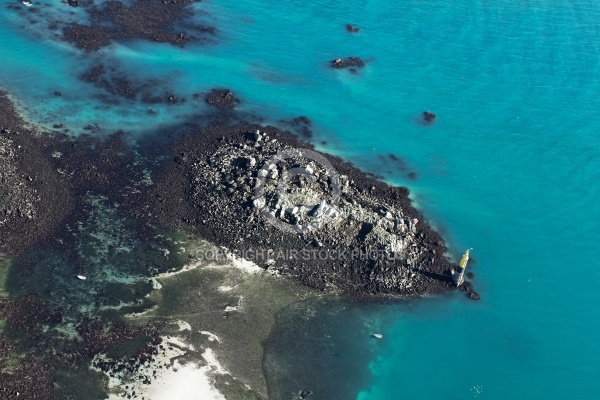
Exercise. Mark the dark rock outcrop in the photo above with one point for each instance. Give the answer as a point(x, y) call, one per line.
point(148, 19)
point(33, 196)
point(351, 28)
point(305, 393)
point(349, 62)
point(428, 116)
point(223, 99)
point(304, 233)
point(473, 295)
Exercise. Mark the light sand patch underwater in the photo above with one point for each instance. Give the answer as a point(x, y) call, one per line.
point(220, 313)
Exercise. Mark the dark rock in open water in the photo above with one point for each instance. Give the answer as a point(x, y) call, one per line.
point(473, 295)
point(467, 286)
point(351, 28)
point(341, 63)
point(428, 116)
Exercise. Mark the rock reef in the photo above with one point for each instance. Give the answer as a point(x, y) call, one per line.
point(223, 99)
point(17, 198)
point(351, 28)
point(349, 62)
point(428, 117)
point(33, 197)
point(150, 19)
point(269, 197)
point(257, 191)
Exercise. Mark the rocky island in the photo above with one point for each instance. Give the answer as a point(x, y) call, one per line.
point(263, 194)
point(254, 192)
point(135, 265)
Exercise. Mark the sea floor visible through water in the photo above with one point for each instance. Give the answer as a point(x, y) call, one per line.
point(509, 168)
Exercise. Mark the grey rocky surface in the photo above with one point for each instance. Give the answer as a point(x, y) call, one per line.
point(17, 198)
point(33, 196)
point(229, 184)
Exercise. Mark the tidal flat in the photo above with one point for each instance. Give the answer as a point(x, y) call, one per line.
point(121, 288)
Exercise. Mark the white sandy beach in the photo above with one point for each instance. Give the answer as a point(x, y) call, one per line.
point(186, 382)
point(170, 378)
point(174, 380)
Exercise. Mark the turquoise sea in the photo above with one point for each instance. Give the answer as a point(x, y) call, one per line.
point(511, 168)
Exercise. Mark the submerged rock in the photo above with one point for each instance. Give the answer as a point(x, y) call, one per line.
point(340, 63)
point(139, 19)
point(351, 28)
point(428, 116)
point(223, 99)
point(473, 295)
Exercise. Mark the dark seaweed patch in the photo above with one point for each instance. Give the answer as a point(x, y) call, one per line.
point(117, 85)
point(153, 20)
point(399, 165)
point(302, 126)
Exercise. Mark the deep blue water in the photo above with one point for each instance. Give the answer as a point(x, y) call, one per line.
point(510, 167)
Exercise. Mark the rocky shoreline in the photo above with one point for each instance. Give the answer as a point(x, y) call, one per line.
point(33, 197)
point(44, 181)
point(256, 191)
point(259, 192)
point(371, 243)
point(210, 186)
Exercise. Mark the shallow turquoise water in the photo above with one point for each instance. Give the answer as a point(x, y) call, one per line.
point(510, 167)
